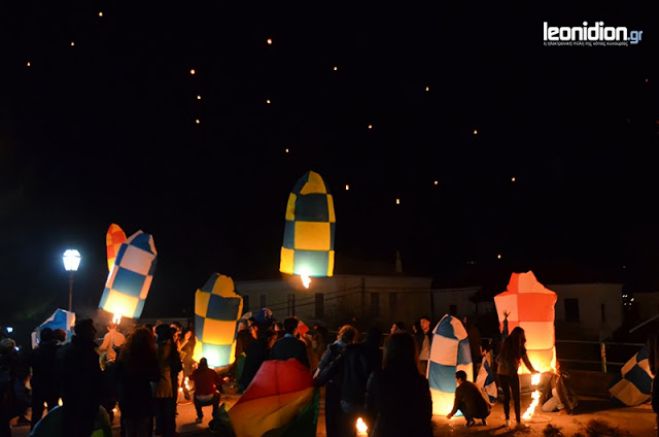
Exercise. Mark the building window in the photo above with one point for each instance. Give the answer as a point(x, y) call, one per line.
point(453, 310)
point(291, 304)
point(571, 310)
point(375, 305)
point(262, 301)
point(603, 312)
point(393, 303)
point(320, 305)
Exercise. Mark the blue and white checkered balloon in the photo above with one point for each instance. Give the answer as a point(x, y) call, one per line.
point(449, 353)
point(635, 386)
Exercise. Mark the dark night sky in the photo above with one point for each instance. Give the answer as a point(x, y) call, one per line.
point(105, 132)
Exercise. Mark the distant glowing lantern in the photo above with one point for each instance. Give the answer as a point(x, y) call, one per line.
point(335, 68)
point(475, 131)
point(114, 238)
point(528, 304)
point(193, 71)
point(100, 14)
point(435, 182)
point(499, 256)
point(397, 201)
point(129, 280)
point(28, 64)
point(267, 101)
point(513, 179)
point(198, 97)
point(73, 43)
point(308, 249)
point(370, 126)
point(197, 121)
point(347, 187)
point(217, 310)
point(449, 353)
point(427, 88)
point(269, 41)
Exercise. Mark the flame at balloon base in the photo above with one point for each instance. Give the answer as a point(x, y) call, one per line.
point(535, 397)
point(362, 428)
point(306, 281)
point(116, 318)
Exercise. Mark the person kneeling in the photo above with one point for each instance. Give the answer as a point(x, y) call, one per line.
point(469, 400)
point(207, 384)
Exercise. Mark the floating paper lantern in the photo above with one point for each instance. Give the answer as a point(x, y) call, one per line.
point(114, 238)
point(308, 248)
point(217, 309)
point(449, 353)
point(131, 276)
point(531, 306)
point(280, 395)
point(635, 385)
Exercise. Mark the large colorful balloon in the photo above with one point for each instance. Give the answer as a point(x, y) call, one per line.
point(528, 304)
point(130, 278)
point(114, 238)
point(449, 353)
point(308, 248)
point(635, 385)
point(217, 308)
point(279, 392)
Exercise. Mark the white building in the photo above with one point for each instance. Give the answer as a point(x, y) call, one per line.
point(369, 299)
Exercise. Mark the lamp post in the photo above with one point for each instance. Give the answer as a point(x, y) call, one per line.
point(71, 259)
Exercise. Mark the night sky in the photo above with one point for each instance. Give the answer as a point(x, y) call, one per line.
point(105, 131)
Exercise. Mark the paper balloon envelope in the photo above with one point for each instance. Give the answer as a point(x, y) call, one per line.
point(217, 309)
point(130, 278)
point(635, 385)
point(279, 391)
point(308, 248)
point(114, 238)
point(531, 306)
point(449, 353)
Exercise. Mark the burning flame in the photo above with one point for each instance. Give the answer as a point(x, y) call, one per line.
point(116, 318)
point(362, 429)
point(306, 280)
point(59, 402)
point(535, 396)
point(186, 381)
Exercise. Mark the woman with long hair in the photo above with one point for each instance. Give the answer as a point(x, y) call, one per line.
point(399, 379)
point(137, 368)
point(513, 352)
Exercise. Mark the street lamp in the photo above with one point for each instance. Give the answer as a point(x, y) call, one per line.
point(71, 260)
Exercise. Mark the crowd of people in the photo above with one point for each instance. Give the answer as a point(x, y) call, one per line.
point(383, 383)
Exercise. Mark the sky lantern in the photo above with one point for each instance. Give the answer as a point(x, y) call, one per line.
point(449, 353)
point(308, 249)
point(528, 304)
point(113, 240)
point(129, 280)
point(217, 308)
point(635, 384)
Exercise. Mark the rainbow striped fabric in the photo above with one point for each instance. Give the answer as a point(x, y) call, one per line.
point(277, 402)
point(308, 247)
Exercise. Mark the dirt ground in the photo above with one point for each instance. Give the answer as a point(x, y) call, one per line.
point(638, 421)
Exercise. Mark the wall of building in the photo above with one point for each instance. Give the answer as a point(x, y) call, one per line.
point(647, 304)
point(368, 300)
point(599, 309)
